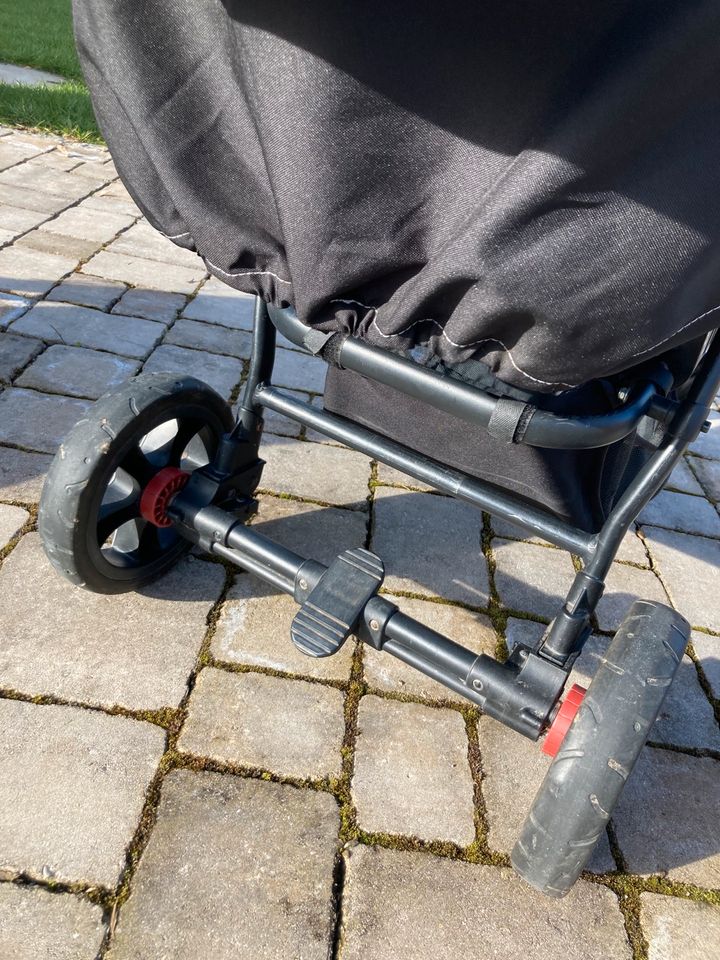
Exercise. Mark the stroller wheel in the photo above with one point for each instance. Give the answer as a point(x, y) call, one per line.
point(93, 516)
point(598, 753)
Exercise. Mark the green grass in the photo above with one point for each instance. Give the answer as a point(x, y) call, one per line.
point(38, 33)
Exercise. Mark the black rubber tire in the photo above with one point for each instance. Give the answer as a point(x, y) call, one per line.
point(88, 458)
point(586, 777)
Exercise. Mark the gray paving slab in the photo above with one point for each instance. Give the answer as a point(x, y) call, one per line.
point(88, 291)
point(12, 307)
point(531, 578)
point(22, 474)
point(708, 444)
point(30, 273)
point(39, 200)
point(688, 566)
point(686, 718)
point(399, 904)
point(135, 650)
point(79, 777)
point(77, 372)
point(37, 421)
point(28, 176)
point(210, 337)
point(683, 479)
point(623, 585)
point(320, 533)
point(12, 520)
point(58, 245)
point(142, 240)
point(17, 220)
point(15, 353)
point(139, 272)
point(216, 302)
point(292, 728)
point(680, 511)
point(412, 774)
point(12, 153)
point(707, 649)
point(87, 224)
point(679, 929)
point(708, 472)
point(254, 629)
point(84, 327)
point(316, 471)
point(150, 304)
point(221, 373)
point(299, 371)
point(38, 925)
point(438, 551)
point(234, 870)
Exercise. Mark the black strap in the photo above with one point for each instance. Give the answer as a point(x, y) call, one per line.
point(510, 420)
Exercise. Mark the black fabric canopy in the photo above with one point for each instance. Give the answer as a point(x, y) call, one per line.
point(535, 185)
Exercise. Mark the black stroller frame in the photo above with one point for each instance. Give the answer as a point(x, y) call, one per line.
point(596, 740)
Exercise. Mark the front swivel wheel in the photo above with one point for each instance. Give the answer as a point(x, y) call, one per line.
point(100, 515)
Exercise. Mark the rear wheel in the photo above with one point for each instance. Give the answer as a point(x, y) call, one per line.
point(90, 517)
point(598, 753)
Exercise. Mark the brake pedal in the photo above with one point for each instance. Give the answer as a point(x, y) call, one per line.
point(329, 615)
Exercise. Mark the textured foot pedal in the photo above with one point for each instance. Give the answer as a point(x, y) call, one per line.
point(328, 616)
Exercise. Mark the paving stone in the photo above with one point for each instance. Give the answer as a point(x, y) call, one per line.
point(88, 291)
point(513, 770)
point(12, 520)
point(532, 578)
point(280, 426)
point(28, 176)
point(209, 336)
point(234, 870)
point(39, 200)
point(6, 237)
point(38, 925)
point(707, 650)
point(668, 817)
point(688, 566)
point(678, 929)
point(291, 727)
point(399, 904)
point(135, 649)
point(144, 273)
point(708, 444)
point(387, 474)
point(97, 172)
point(686, 718)
point(15, 353)
point(17, 220)
point(36, 420)
point(106, 203)
point(708, 472)
point(316, 471)
point(632, 549)
point(683, 479)
point(528, 632)
point(77, 372)
point(506, 530)
point(623, 585)
point(411, 772)
point(54, 160)
point(254, 629)
point(84, 327)
point(30, 273)
point(142, 240)
point(22, 474)
point(150, 304)
point(473, 630)
point(12, 153)
point(679, 511)
point(79, 777)
point(430, 545)
point(221, 373)
point(216, 302)
point(58, 245)
point(320, 533)
point(11, 308)
point(299, 370)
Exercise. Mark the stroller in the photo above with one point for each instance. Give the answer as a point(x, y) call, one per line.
point(499, 225)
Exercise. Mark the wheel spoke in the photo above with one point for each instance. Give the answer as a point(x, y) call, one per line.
point(114, 515)
point(187, 429)
point(149, 541)
point(138, 466)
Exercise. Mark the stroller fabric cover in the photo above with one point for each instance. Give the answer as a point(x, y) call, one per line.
point(532, 185)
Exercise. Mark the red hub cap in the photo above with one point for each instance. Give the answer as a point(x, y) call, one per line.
point(159, 492)
point(563, 718)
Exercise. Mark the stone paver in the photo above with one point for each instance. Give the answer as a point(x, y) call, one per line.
point(17, 220)
point(679, 511)
point(708, 444)
point(625, 584)
point(12, 520)
point(280, 426)
point(79, 778)
point(142, 240)
point(216, 302)
point(85, 224)
point(30, 273)
point(41, 201)
point(150, 304)
point(37, 925)
point(36, 420)
point(707, 649)
point(412, 774)
point(88, 291)
point(412, 905)
point(513, 770)
point(472, 630)
point(531, 578)
point(291, 727)
point(686, 718)
point(210, 337)
point(221, 373)
point(708, 472)
point(22, 474)
point(77, 372)
point(329, 474)
point(679, 929)
point(689, 569)
point(390, 475)
point(135, 650)
point(58, 245)
point(234, 870)
point(299, 370)
point(430, 545)
point(683, 479)
point(668, 817)
point(144, 273)
point(83, 327)
point(320, 533)
point(11, 308)
point(15, 353)
point(254, 629)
